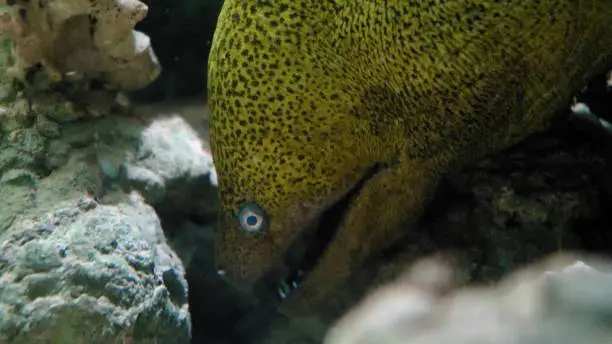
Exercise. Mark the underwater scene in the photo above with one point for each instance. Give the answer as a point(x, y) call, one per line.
point(305, 172)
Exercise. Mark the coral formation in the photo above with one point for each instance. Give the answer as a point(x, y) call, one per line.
point(81, 39)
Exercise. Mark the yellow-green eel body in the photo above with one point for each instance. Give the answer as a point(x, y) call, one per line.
point(307, 97)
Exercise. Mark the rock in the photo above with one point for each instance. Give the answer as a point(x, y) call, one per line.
point(16, 200)
point(56, 108)
point(91, 273)
point(172, 169)
point(29, 142)
point(72, 180)
point(159, 155)
point(532, 306)
point(16, 116)
point(99, 102)
point(19, 177)
point(47, 128)
point(22, 149)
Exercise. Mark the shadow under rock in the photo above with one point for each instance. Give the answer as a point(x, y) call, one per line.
point(219, 313)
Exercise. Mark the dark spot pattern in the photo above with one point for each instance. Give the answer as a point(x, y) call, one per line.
point(305, 95)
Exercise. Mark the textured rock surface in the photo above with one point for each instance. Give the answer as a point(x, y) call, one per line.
point(170, 159)
point(105, 272)
point(550, 302)
point(106, 158)
point(90, 273)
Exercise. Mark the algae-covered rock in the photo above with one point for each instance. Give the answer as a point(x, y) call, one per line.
point(89, 273)
point(56, 107)
point(46, 127)
point(16, 115)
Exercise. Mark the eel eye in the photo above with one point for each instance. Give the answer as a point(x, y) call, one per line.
point(253, 219)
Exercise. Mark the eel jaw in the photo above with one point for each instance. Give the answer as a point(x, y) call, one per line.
point(304, 253)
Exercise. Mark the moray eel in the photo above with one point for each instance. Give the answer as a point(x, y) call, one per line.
point(332, 121)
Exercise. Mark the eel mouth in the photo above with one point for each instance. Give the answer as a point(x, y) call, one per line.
point(305, 251)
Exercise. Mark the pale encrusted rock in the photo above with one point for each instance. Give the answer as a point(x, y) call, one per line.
point(561, 300)
point(74, 39)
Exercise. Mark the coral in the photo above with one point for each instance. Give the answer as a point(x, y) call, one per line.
point(81, 39)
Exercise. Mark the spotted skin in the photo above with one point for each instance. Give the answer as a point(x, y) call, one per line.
point(305, 96)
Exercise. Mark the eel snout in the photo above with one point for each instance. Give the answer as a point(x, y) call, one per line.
point(287, 268)
point(266, 269)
